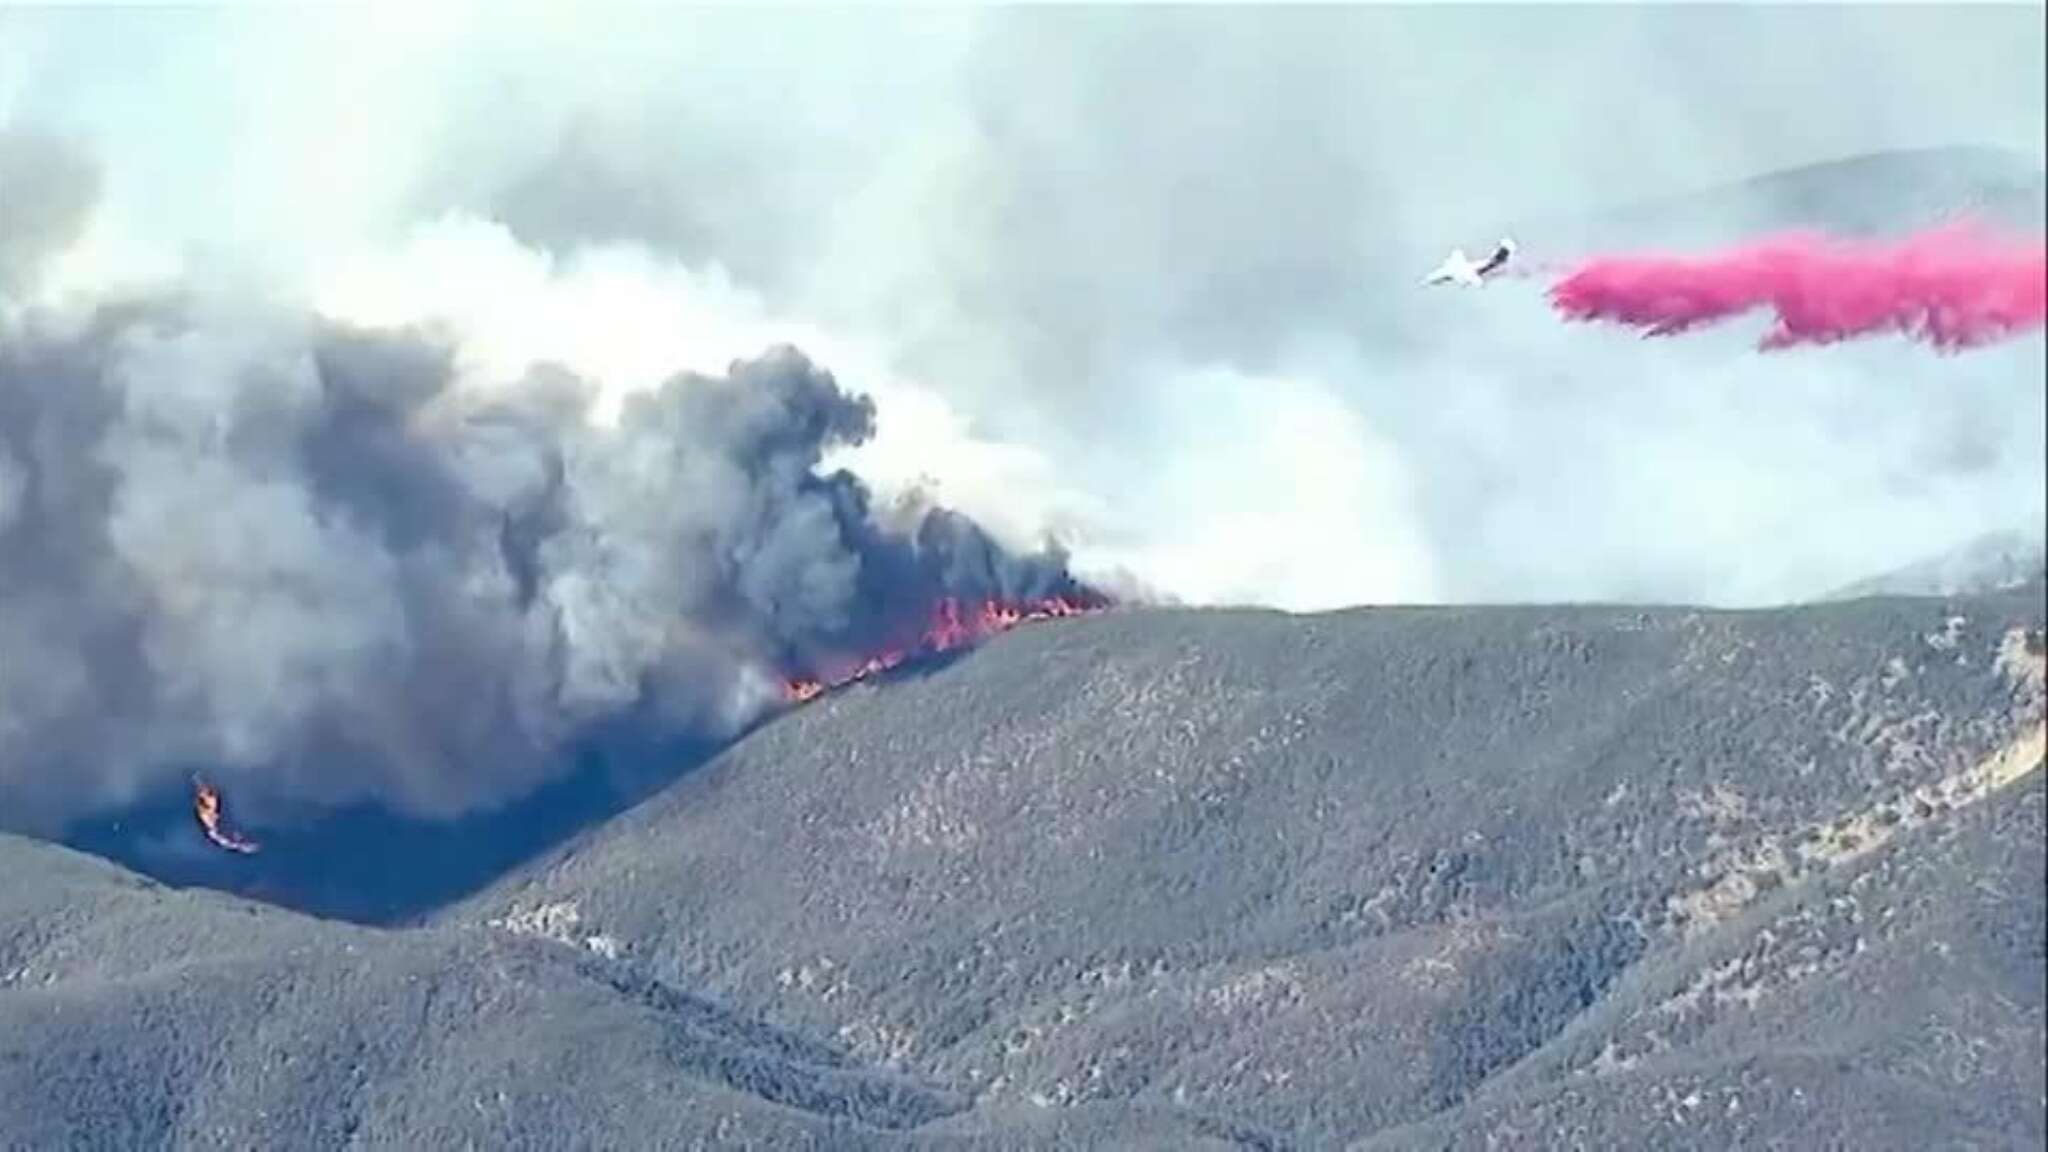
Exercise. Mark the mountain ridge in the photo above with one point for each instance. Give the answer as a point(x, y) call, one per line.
point(1152, 923)
point(1406, 877)
point(1447, 876)
point(1874, 193)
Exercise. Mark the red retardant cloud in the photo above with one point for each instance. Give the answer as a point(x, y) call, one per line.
point(1954, 287)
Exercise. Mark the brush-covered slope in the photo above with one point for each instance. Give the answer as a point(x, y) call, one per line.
point(1434, 876)
point(138, 1016)
point(1171, 879)
point(1894, 1004)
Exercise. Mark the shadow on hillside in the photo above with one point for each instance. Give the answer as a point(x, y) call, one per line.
point(368, 864)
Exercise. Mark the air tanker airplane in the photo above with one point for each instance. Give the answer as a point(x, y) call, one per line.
point(1458, 269)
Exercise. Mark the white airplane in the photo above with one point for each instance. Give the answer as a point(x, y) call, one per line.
point(1459, 269)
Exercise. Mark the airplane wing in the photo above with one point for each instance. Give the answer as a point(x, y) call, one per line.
point(1459, 269)
point(1455, 269)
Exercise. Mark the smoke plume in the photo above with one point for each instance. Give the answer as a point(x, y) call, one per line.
point(376, 559)
point(296, 554)
point(1167, 314)
point(1953, 287)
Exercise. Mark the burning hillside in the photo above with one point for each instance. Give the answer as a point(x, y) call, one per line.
point(952, 628)
point(299, 554)
point(206, 806)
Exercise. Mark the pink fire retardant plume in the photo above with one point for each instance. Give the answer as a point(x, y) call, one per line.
point(1955, 287)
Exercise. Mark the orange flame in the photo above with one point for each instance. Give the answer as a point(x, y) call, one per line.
point(798, 691)
point(951, 628)
point(206, 806)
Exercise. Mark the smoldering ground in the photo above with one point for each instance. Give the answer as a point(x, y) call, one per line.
point(301, 554)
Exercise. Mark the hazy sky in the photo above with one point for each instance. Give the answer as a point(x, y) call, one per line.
point(1145, 277)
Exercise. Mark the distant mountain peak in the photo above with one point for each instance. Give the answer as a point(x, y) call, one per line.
point(1986, 563)
point(1874, 192)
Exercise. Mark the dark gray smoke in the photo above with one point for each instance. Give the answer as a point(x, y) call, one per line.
point(298, 556)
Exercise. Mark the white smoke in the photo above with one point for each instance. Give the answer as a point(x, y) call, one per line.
point(1073, 279)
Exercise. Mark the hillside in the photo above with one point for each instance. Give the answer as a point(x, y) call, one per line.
point(1333, 876)
point(1407, 877)
point(1394, 878)
point(1879, 193)
point(132, 1015)
point(1399, 878)
point(1983, 564)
